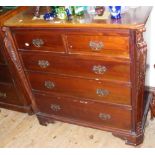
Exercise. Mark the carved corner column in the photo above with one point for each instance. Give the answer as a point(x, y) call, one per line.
point(152, 106)
point(140, 54)
point(16, 68)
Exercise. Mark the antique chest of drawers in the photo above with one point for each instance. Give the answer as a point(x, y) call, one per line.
point(91, 74)
point(11, 95)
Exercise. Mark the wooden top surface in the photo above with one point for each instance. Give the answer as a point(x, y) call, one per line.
point(132, 19)
point(9, 13)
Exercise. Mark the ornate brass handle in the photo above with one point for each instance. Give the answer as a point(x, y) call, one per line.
point(104, 116)
point(102, 92)
point(96, 45)
point(99, 69)
point(43, 63)
point(49, 84)
point(55, 107)
point(37, 42)
point(3, 95)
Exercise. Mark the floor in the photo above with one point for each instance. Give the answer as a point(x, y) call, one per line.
point(20, 130)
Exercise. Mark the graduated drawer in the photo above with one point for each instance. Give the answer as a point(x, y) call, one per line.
point(95, 113)
point(117, 46)
point(40, 40)
point(5, 75)
point(89, 68)
point(8, 94)
point(91, 89)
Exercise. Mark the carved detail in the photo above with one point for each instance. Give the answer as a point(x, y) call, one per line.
point(141, 57)
point(141, 51)
point(16, 66)
point(11, 51)
point(139, 128)
point(152, 107)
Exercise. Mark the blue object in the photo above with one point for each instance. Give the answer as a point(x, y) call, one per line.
point(49, 16)
point(69, 14)
point(115, 12)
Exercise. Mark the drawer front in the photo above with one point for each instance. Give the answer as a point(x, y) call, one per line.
point(91, 89)
point(45, 40)
point(88, 68)
point(8, 94)
point(5, 75)
point(117, 46)
point(92, 112)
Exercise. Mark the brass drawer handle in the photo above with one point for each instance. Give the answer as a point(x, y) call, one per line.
point(3, 95)
point(37, 42)
point(43, 63)
point(102, 92)
point(55, 107)
point(49, 84)
point(104, 116)
point(96, 45)
point(99, 69)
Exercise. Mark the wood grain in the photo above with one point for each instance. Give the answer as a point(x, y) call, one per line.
point(78, 67)
point(23, 131)
point(132, 19)
point(84, 88)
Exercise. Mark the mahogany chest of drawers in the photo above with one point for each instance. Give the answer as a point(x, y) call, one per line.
point(90, 74)
point(11, 95)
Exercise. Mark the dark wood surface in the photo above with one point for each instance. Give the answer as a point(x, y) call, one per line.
point(84, 88)
point(11, 96)
point(83, 67)
point(5, 75)
point(52, 41)
point(87, 111)
point(61, 86)
point(2, 61)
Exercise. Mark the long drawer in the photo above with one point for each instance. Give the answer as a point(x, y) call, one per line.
point(91, 89)
point(5, 75)
point(89, 68)
point(93, 44)
point(8, 94)
point(42, 40)
point(85, 111)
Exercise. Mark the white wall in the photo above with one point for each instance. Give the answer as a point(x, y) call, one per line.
point(150, 39)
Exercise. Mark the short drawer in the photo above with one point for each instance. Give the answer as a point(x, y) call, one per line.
point(117, 46)
point(8, 94)
point(39, 40)
point(91, 89)
point(5, 75)
point(85, 111)
point(88, 68)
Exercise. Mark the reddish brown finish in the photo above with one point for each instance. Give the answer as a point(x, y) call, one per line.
point(11, 96)
point(87, 111)
point(83, 67)
point(112, 45)
point(83, 88)
point(73, 87)
point(5, 75)
point(134, 18)
point(52, 41)
point(2, 61)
